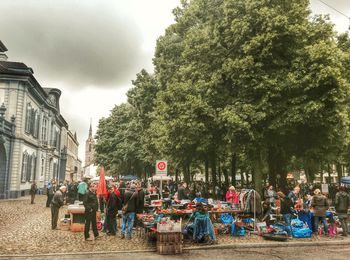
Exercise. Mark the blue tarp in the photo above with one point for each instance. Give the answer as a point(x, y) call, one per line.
point(129, 178)
point(345, 180)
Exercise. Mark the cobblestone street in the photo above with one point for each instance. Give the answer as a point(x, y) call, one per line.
point(25, 229)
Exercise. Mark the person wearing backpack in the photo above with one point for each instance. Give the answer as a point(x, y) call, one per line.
point(130, 203)
point(342, 202)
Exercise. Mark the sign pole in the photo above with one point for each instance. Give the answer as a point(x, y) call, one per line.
point(161, 186)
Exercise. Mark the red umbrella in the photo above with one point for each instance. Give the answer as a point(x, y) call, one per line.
point(101, 188)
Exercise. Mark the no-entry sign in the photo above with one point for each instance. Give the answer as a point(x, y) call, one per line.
point(161, 167)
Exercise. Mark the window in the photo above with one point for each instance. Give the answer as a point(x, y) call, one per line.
point(32, 121)
point(55, 170)
point(42, 166)
point(28, 118)
point(24, 166)
point(36, 124)
point(33, 168)
point(44, 130)
point(29, 168)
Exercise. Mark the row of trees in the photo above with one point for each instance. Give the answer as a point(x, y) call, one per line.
point(255, 86)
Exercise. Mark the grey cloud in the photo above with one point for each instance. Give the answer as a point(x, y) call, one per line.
point(76, 43)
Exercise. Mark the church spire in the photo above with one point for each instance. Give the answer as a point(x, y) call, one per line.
point(90, 130)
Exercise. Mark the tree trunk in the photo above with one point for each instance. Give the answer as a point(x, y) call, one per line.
point(233, 169)
point(227, 183)
point(257, 177)
point(339, 172)
point(213, 170)
point(176, 175)
point(219, 174)
point(206, 163)
point(321, 168)
point(329, 173)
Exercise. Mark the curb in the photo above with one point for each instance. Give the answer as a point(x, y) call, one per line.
point(223, 246)
point(269, 245)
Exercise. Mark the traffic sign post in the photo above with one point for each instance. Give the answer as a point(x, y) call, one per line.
point(162, 170)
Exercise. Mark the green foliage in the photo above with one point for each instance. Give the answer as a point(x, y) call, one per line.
point(260, 78)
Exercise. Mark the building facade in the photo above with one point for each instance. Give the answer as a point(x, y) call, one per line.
point(37, 150)
point(73, 168)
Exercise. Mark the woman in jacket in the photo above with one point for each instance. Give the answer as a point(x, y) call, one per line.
point(320, 204)
point(232, 196)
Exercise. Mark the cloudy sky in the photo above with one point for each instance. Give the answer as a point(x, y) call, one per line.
point(92, 49)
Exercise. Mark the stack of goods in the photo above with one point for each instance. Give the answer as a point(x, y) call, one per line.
point(147, 220)
point(167, 225)
point(169, 237)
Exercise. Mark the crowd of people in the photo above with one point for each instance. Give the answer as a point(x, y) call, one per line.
point(303, 200)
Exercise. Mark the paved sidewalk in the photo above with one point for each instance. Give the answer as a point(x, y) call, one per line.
point(25, 230)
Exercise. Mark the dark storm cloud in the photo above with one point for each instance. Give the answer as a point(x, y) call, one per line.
point(75, 43)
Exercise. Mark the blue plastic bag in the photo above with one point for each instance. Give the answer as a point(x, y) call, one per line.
point(301, 232)
point(297, 223)
point(226, 218)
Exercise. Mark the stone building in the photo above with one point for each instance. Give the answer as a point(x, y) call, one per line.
point(73, 168)
point(35, 134)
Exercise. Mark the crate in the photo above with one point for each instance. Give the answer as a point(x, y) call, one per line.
point(169, 237)
point(169, 248)
point(169, 227)
point(77, 227)
point(65, 224)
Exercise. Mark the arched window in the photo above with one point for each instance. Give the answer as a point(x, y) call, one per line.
point(24, 166)
point(29, 115)
point(33, 168)
point(29, 168)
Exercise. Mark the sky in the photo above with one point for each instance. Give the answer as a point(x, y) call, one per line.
point(92, 49)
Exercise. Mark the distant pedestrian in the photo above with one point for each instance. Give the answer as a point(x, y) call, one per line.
point(56, 203)
point(82, 190)
point(342, 202)
point(49, 193)
point(91, 207)
point(33, 191)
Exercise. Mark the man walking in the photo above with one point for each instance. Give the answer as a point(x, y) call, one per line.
point(342, 202)
point(56, 203)
point(33, 190)
point(91, 206)
point(130, 203)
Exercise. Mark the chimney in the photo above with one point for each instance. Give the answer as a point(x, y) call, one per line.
point(3, 49)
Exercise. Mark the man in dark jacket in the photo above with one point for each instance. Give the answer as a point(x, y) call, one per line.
point(140, 198)
point(182, 193)
point(286, 211)
point(91, 206)
point(342, 202)
point(130, 202)
point(56, 203)
point(113, 204)
point(320, 204)
point(33, 190)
